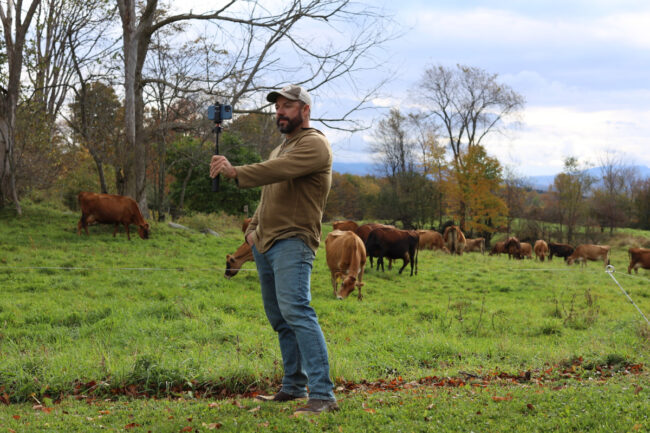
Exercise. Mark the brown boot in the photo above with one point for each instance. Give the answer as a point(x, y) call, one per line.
point(315, 407)
point(279, 397)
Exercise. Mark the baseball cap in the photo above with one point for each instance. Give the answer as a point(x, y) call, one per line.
point(293, 92)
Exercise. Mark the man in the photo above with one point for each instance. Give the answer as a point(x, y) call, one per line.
point(284, 235)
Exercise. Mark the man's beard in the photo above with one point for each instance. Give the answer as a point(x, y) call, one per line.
point(291, 124)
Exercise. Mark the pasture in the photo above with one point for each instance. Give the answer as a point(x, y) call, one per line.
point(147, 335)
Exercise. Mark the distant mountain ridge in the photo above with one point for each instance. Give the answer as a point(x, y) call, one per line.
point(537, 182)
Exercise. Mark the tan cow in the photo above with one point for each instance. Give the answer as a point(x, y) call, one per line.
point(541, 249)
point(235, 261)
point(345, 225)
point(431, 240)
point(526, 250)
point(498, 248)
point(586, 252)
point(454, 240)
point(476, 245)
point(639, 258)
point(346, 259)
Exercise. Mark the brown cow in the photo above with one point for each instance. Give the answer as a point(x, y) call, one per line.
point(431, 240)
point(393, 244)
point(346, 258)
point(639, 258)
point(586, 252)
point(559, 250)
point(110, 209)
point(476, 244)
point(512, 246)
point(454, 240)
point(526, 250)
point(541, 249)
point(235, 261)
point(498, 248)
point(345, 225)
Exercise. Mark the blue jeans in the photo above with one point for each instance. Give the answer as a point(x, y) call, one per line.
point(285, 271)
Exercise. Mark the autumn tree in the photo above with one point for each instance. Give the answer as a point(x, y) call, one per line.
point(477, 187)
point(467, 104)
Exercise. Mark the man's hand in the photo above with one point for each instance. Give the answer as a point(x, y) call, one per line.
point(249, 239)
point(220, 164)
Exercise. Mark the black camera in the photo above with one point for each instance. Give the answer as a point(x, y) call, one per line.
point(219, 112)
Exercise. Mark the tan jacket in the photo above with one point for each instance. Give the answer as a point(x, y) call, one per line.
point(296, 178)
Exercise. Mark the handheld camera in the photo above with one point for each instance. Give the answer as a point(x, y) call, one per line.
point(218, 113)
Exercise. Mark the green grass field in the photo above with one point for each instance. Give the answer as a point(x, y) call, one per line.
point(149, 336)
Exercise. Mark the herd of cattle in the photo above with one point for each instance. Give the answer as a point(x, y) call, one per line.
point(350, 245)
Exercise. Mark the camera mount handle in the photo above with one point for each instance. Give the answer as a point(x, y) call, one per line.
point(217, 131)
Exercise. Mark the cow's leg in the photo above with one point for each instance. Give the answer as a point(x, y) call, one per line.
point(334, 280)
point(406, 261)
point(126, 227)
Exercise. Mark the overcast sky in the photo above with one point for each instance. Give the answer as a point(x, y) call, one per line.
point(582, 66)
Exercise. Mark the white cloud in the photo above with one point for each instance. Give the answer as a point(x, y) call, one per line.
point(549, 134)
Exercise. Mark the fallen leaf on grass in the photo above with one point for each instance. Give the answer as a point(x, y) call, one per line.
point(4, 398)
point(16, 417)
point(497, 398)
point(130, 426)
point(637, 390)
point(255, 409)
point(186, 429)
point(637, 427)
point(530, 406)
point(213, 405)
point(370, 410)
point(264, 424)
point(105, 412)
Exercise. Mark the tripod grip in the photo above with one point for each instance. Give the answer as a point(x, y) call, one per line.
point(215, 184)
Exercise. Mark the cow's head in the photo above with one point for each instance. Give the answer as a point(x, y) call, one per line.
point(143, 231)
point(232, 267)
point(347, 286)
point(569, 260)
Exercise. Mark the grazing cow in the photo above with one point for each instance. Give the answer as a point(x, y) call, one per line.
point(639, 258)
point(477, 244)
point(393, 244)
point(235, 261)
point(541, 249)
point(586, 252)
point(346, 258)
point(454, 240)
point(498, 248)
point(560, 250)
point(513, 248)
point(526, 250)
point(346, 225)
point(431, 240)
point(110, 209)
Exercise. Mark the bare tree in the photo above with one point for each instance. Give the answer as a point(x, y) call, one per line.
point(14, 28)
point(612, 198)
point(252, 57)
point(467, 104)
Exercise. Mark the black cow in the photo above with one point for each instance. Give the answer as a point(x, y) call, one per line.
point(560, 250)
point(393, 244)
